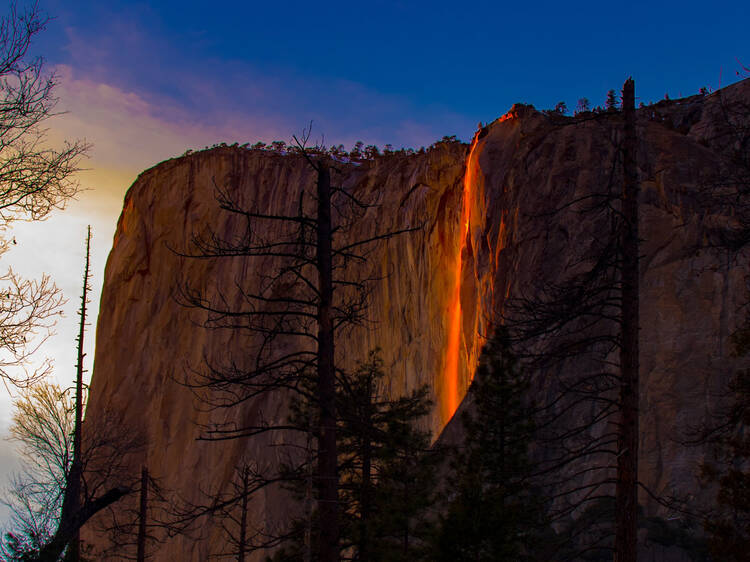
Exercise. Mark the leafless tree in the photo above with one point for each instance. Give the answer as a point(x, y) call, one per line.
point(34, 180)
point(133, 530)
point(233, 508)
point(304, 288)
point(581, 330)
point(70, 471)
point(43, 425)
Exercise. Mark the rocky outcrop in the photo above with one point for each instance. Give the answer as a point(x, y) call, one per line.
point(520, 168)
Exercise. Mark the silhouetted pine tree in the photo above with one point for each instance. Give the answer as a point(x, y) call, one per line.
point(611, 103)
point(727, 526)
point(387, 471)
point(494, 512)
point(387, 467)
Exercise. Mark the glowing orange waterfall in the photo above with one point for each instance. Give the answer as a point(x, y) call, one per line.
point(450, 399)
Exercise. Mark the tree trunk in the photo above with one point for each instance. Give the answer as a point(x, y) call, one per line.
point(243, 516)
point(141, 555)
point(626, 496)
point(73, 496)
point(364, 547)
point(328, 456)
point(69, 526)
point(307, 555)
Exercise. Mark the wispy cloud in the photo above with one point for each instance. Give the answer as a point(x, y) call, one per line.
point(128, 131)
point(243, 99)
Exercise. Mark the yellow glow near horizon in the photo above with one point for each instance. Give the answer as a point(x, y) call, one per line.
point(128, 135)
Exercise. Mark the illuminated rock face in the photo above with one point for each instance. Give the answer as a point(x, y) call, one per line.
point(146, 340)
point(488, 233)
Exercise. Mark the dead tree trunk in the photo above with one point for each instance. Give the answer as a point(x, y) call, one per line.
point(328, 456)
point(243, 515)
point(76, 509)
point(73, 491)
point(626, 495)
point(308, 546)
point(74, 521)
point(365, 507)
point(141, 553)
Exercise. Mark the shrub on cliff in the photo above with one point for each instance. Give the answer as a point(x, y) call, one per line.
point(611, 102)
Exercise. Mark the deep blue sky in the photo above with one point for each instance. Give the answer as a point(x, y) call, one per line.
point(399, 72)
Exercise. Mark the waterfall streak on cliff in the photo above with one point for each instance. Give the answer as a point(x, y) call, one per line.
point(450, 398)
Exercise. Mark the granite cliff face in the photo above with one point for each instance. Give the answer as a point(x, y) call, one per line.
point(487, 235)
point(154, 342)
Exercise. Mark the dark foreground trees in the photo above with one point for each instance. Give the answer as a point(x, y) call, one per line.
point(494, 511)
point(727, 525)
point(387, 472)
point(69, 474)
point(580, 330)
point(388, 467)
